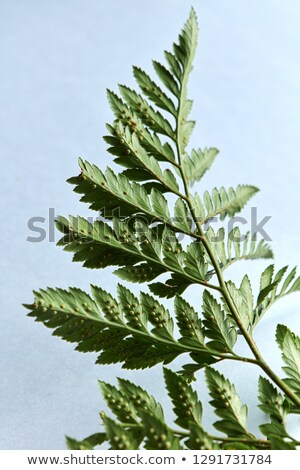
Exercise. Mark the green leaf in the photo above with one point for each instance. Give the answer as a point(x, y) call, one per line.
point(146, 113)
point(295, 287)
point(188, 371)
point(158, 316)
point(217, 326)
point(141, 273)
point(236, 248)
point(223, 203)
point(97, 245)
point(274, 428)
point(272, 288)
point(203, 359)
point(280, 444)
point(196, 261)
point(158, 434)
point(198, 163)
point(88, 443)
point(134, 314)
point(247, 292)
point(174, 285)
point(159, 205)
point(140, 399)
point(217, 242)
point(174, 65)
point(190, 326)
point(187, 406)
point(289, 343)
point(120, 336)
point(118, 437)
point(182, 218)
point(111, 194)
point(167, 78)
point(128, 402)
point(123, 143)
point(227, 405)
point(115, 195)
point(139, 353)
point(187, 43)
point(200, 440)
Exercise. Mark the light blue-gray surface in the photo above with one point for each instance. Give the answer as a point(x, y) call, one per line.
point(57, 58)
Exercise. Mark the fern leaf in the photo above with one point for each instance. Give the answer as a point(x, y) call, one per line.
point(140, 273)
point(198, 163)
point(222, 203)
point(122, 408)
point(289, 343)
point(140, 399)
point(243, 300)
point(158, 434)
point(187, 406)
point(151, 118)
point(88, 443)
point(118, 437)
point(182, 218)
point(227, 405)
point(129, 121)
point(158, 316)
point(200, 440)
point(153, 91)
point(237, 247)
point(217, 326)
point(271, 401)
point(272, 288)
point(167, 78)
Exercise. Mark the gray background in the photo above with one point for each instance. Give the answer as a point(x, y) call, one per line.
point(57, 58)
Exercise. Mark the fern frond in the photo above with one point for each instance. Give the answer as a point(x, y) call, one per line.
point(142, 253)
point(135, 333)
point(222, 202)
point(141, 234)
point(196, 165)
